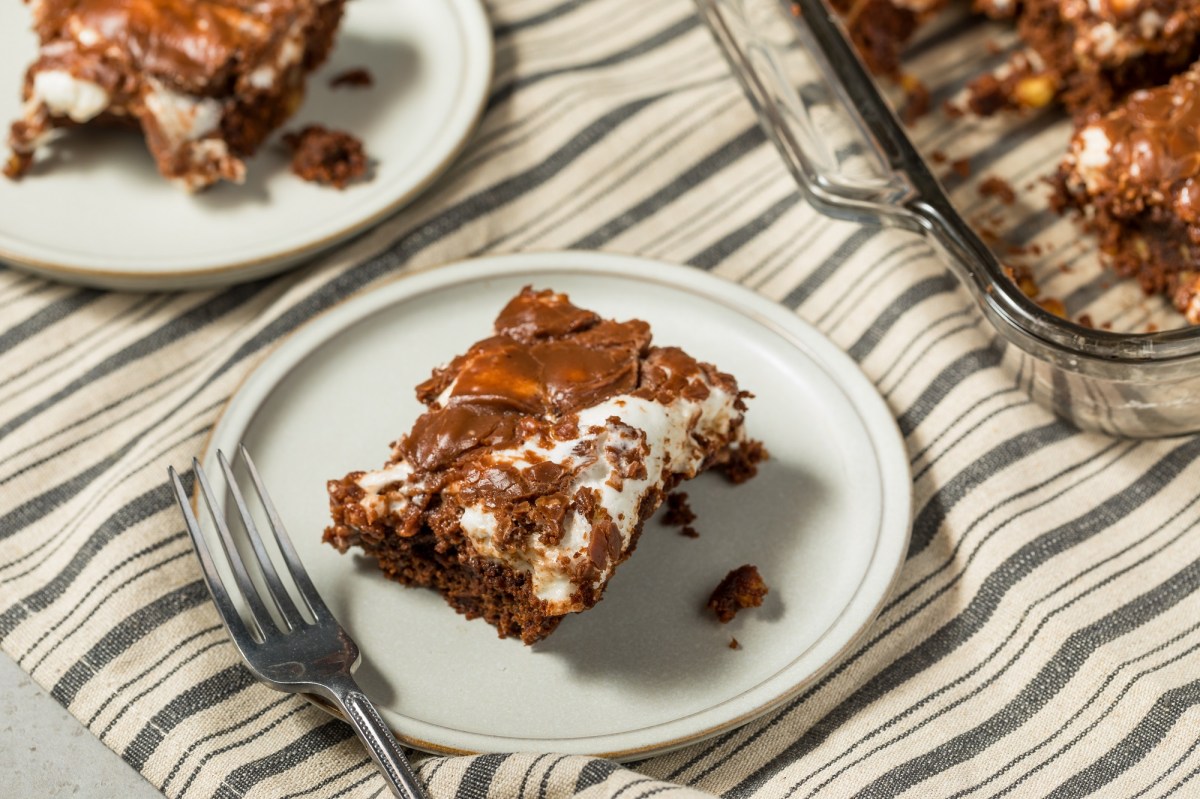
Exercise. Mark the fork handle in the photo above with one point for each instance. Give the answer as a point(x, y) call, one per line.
point(381, 743)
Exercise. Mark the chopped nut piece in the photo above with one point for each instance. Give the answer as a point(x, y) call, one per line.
point(1035, 91)
point(1023, 277)
point(1054, 306)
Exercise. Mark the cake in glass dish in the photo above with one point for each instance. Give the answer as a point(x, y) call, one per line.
point(1134, 173)
point(205, 80)
point(1098, 51)
point(542, 452)
point(879, 29)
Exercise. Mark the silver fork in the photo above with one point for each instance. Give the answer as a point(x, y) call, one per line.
point(314, 657)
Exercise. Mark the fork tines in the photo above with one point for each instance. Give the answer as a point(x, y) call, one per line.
point(264, 625)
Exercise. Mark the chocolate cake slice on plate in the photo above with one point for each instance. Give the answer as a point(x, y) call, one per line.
point(544, 449)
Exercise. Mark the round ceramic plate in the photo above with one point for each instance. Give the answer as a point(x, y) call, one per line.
point(649, 668)
point(95, 210)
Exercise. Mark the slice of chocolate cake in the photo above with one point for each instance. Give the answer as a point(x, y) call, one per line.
point(1135, 175)
point(206, 80)
point(544, 449)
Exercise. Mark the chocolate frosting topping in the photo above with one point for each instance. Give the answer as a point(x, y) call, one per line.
point(542, 314)
point(194, 45)
point(1154, 152)
point(547, 360)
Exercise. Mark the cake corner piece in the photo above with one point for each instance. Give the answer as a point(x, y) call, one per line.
point(542, 451)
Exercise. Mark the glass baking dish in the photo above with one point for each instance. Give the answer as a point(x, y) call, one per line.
point(853, 160)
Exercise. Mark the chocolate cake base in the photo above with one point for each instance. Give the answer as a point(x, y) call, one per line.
point(441, 557)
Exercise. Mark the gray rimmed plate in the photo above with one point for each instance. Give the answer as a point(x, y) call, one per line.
point(98, 213)
point(648, 669)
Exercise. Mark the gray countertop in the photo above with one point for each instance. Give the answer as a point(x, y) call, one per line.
point(45, 753)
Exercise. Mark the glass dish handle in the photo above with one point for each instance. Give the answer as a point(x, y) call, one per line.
point(846, 149)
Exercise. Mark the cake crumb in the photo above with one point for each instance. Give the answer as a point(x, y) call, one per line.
point(680, 514)
point(961, 167)
point(330, 157)
point(999, 189)
point(742, 588)
point(356, 78)
point(743, 461)
point(939, 157)
point(1022, 276)
point(917, 100)
point(1018, 86)
point(1054, 306)
point(733, 644)
point(986, 96)
point(16, 165)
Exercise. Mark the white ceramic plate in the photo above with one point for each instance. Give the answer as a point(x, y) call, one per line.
point(98, 213)
point(648, 669)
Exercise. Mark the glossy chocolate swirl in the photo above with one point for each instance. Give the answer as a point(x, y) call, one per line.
point(194, 45)
point(547, 360)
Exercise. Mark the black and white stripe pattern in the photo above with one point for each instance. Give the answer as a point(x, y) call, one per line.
point(1043, 638)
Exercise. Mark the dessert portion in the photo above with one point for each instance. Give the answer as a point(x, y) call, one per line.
point(742, 588)
point(1098, 51)
point(206, 80)
point(544, 449)
point(1135, 174)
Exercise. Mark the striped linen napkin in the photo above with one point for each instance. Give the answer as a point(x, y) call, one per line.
point(1044, 638)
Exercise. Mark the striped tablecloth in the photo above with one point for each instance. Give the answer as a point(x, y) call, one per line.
point(1043, 638)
